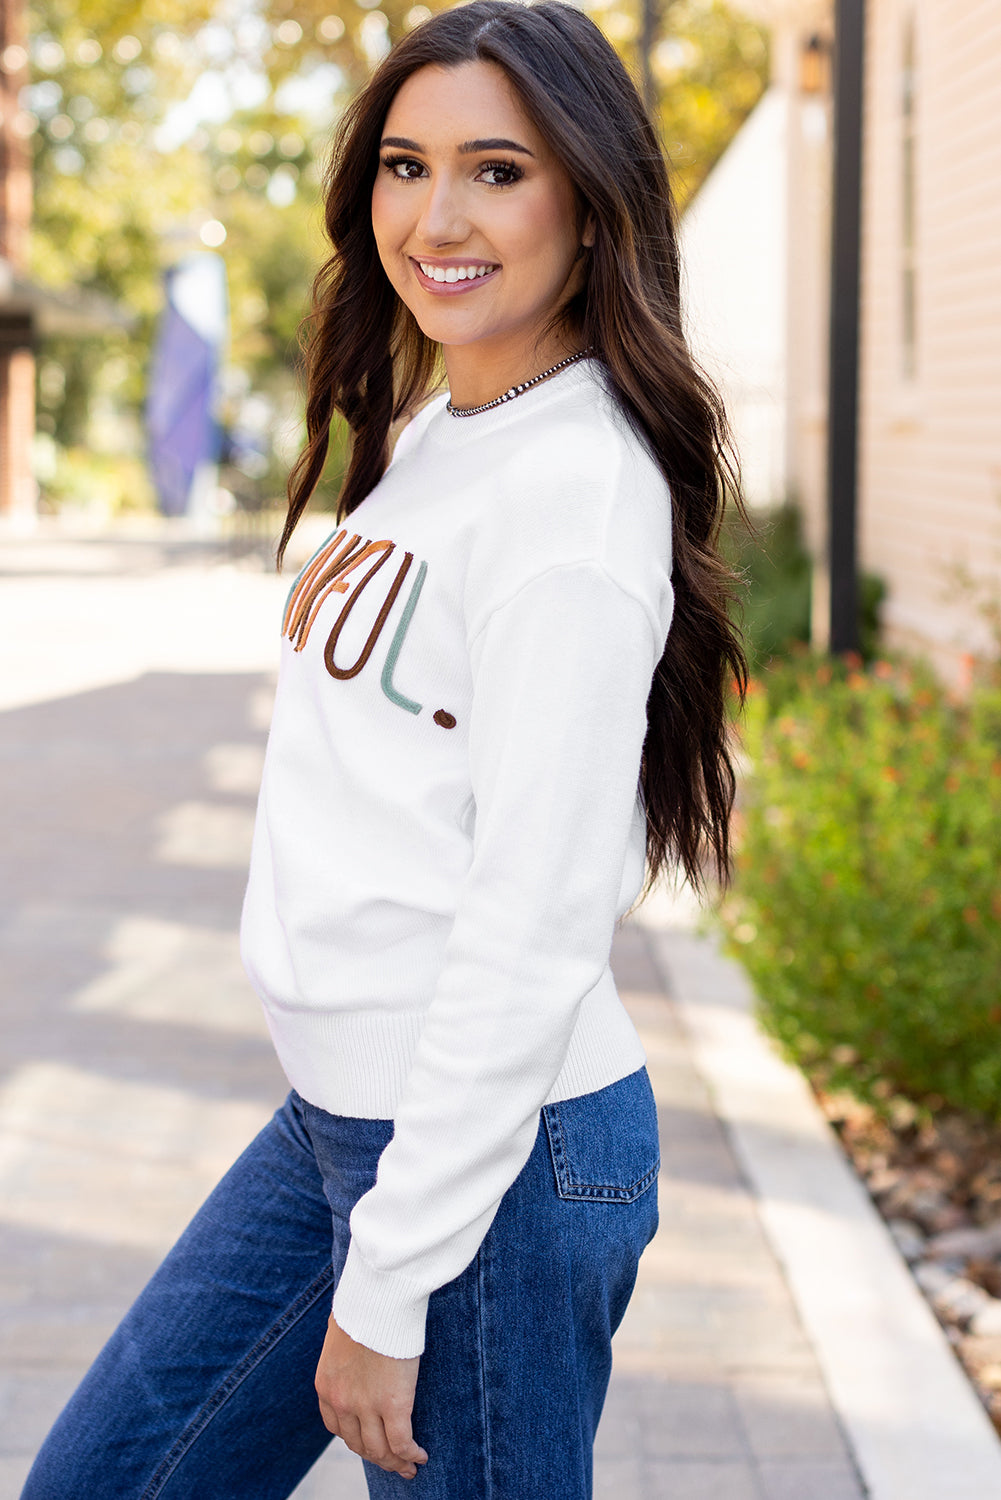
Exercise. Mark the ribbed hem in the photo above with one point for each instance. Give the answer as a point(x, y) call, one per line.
point(347, 1062)
point(380, 1309)
point(604, 1046)
point(356, 1063)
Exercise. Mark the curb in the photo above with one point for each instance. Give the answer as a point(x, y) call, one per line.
point(914, 1423)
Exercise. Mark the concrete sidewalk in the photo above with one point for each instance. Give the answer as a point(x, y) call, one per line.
point(135, 685)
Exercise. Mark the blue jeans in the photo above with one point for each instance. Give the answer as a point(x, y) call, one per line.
point(205, 1391)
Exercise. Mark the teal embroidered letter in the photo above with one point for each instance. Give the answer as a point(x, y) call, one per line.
point(396, 645)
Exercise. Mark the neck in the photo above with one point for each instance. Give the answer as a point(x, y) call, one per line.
point(478, 373)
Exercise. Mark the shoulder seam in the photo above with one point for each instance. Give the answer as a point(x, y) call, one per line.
point(563, 567)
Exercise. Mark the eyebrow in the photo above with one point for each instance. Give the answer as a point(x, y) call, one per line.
point(467, 148)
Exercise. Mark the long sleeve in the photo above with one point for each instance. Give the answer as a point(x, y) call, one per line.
point(561, 674)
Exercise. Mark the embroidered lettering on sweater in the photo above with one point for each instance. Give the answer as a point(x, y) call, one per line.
point(330, 572)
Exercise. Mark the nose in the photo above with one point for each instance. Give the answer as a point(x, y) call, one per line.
point(443, 220)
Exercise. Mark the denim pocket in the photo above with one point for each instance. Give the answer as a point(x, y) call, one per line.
point(604, 1145)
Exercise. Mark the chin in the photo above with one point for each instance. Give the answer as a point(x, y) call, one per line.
point(443, 331)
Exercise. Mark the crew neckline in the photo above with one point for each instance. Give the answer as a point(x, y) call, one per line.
point(558, 388)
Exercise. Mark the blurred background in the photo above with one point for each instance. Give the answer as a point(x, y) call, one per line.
point(838, 169)
point(140, 140)
point(159, 178)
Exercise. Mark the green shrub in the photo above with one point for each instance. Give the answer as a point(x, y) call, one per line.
point(867, 905)
point(774, 608)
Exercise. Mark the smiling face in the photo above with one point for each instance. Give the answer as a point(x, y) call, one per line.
point(476, 222)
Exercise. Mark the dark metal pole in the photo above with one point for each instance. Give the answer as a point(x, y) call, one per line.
point(649, 28)
point(842, 449)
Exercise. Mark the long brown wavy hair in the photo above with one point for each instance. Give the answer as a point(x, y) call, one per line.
point(366, 357)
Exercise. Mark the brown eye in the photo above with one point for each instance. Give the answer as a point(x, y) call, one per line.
point(500, 173)
point(404, 168)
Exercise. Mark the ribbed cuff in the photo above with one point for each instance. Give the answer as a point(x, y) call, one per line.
point(380, 1309)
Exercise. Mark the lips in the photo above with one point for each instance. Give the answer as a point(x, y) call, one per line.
point(455, 278)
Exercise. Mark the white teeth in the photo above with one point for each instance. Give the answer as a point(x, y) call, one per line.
point(453, 273)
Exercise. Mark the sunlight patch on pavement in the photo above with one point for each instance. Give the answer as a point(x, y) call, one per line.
point(120, 1163)
point(64, 634)
point(207, 835)
point(174, 974)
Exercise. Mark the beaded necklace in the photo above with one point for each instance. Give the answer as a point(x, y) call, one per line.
point(516, 390)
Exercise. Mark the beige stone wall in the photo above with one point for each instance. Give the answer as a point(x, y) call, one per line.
point(931, 436)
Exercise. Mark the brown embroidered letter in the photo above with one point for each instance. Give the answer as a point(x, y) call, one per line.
point(380, 619)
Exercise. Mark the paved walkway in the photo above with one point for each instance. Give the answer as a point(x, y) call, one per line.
point(135, 682)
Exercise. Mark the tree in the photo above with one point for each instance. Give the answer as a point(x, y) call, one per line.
point(711, 68)
point(706, 67)
point(103, 196)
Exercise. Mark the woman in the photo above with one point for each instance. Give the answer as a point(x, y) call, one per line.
point(482, 728)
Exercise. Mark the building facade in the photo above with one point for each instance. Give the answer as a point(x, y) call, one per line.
point(930, 360)
point(930, 402)
point(755, 247)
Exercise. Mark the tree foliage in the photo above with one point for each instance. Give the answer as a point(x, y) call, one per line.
point(709, 67)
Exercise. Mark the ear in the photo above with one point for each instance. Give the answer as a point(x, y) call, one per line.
point(589, 231)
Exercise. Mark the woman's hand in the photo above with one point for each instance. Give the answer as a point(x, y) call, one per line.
point(366, 1399)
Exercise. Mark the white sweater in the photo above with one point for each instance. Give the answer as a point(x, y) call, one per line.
point(449, 823)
